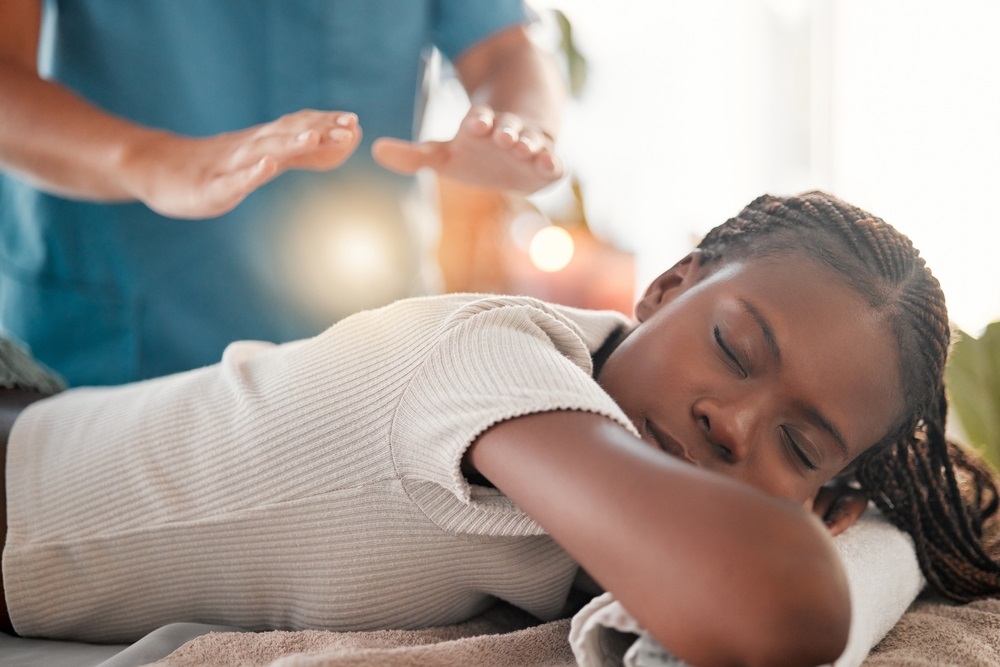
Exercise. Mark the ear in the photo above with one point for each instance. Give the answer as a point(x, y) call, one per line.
point(669, 284)
point(839, 505)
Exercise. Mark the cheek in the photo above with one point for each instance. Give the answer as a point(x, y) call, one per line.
point(776, 479)
point(653, 369)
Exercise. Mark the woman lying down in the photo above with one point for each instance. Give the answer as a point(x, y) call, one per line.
point(413, 463)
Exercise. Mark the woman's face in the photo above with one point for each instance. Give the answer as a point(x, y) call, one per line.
point(771, 371)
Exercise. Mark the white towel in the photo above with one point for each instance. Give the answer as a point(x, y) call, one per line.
point(882, 572)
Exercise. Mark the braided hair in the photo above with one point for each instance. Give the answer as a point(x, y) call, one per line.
point(926, 485)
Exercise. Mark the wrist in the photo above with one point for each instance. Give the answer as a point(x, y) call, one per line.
point(134, 160)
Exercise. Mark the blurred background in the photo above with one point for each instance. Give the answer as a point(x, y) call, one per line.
point(685, 111)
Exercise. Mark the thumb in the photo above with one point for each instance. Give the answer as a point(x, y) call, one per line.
point(405, 157)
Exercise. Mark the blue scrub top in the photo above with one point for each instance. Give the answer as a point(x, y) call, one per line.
point(110, 293)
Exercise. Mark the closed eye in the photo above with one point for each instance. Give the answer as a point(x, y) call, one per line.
point(735, 362)
point(795, 450)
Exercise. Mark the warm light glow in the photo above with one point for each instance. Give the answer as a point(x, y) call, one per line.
point(348, 251)
point(551, 249)
point(356, 254)
point(525, 225)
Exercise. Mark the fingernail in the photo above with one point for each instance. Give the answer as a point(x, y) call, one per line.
point(303, 137)
point(340, 134)
point(346, 120)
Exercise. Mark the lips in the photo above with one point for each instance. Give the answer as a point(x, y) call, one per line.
point(667, 443)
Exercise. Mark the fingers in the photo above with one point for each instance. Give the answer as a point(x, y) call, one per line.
point(405, 157)
point(492, 150)
point(548, 165)
point(303, 140)
point(530, 142)
point(507, 130)
point(226, 191)
point(525, 141)
point(186, 177)
point(479, 121)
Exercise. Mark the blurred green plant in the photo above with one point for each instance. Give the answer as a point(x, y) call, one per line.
point(576, 63)
point(973, 377)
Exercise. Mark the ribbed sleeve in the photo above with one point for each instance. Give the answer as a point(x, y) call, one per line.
point(309, 485)
point(495, 361)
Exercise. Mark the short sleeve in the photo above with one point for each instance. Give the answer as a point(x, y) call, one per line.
point(458, 24)
point(491, 364)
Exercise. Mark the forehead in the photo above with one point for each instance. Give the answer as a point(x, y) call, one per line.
point(837, 352)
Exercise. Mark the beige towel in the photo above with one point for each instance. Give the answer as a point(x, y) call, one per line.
point(930, 634)
point(936, 634)
point(503, 636)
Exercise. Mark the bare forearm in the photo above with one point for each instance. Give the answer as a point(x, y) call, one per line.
point(59, 142)
point(717, 571)
point(64, 145)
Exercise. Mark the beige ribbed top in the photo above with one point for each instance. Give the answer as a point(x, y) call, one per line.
point(315, 484)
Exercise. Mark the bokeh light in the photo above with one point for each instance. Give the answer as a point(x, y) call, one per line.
point(551, 249)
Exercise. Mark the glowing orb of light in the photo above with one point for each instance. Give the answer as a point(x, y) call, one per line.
point(357, 254)
point(551, 249)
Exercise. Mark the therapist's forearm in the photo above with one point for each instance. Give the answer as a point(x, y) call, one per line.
point(510, 74)
point(59, 142)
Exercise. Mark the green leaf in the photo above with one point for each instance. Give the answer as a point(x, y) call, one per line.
point(576, 63)
point(973, 377)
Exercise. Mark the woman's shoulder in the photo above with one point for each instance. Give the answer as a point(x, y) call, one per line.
point(593, 327)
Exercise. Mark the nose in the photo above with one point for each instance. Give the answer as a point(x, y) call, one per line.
point(726, 426)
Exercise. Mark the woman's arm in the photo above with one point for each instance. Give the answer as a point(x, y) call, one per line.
point(717, 571)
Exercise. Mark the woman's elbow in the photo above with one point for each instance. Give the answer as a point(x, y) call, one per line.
point(806, 631)
point(788, 604)
point(808, 619)
point(812, 631)
point(808, 599)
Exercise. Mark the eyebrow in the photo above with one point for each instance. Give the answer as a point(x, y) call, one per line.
point(812, 414)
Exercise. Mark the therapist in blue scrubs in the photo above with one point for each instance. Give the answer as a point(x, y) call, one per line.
point(178, 174)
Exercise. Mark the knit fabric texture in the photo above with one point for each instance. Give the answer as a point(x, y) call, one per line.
point(315, 484)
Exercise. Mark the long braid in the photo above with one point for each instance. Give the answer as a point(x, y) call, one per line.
point(924, 484)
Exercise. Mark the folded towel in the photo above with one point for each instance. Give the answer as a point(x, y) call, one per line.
point(879, 560)
point(503, 636)
point(934, 633)
point(884, 577)
point(604, 633)
point(882, 572)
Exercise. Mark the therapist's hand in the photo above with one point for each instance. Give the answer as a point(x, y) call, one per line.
point(185, 177)
point(491, 150)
